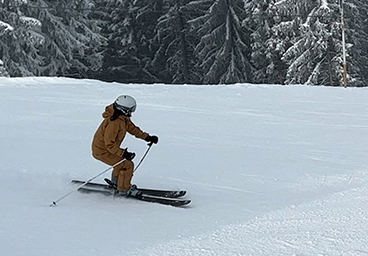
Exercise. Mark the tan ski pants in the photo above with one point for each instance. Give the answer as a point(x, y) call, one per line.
point(123, 172)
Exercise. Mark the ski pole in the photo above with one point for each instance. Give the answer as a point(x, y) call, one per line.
point(56, 201)
point(145, 154)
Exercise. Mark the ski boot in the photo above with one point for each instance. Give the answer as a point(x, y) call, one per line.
point(132, 192)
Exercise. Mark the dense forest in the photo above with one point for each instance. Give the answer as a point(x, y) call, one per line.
point(187, 41)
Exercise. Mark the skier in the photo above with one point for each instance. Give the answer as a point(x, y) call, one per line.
point(108, 138)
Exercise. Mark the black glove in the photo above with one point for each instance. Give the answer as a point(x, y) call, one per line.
point(153, 139)
point(128, 155)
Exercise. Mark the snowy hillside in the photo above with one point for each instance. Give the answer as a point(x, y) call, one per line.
point(271, 170)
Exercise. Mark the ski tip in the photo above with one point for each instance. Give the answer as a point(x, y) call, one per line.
point(187, 202)
point(181, 203)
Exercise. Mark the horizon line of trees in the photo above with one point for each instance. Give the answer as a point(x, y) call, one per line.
point(186, 41)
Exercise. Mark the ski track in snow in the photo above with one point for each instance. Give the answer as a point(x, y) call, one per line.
point(271, 170)
point(315, 228)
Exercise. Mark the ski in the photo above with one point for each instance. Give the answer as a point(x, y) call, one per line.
point(151, 192)
point(145, 198)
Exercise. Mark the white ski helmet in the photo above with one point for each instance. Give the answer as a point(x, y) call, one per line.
point(125, 104)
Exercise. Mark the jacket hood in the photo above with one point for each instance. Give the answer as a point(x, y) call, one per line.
point(109, 111)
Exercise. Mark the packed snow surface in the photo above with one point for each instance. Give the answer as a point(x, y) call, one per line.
point(271, 170)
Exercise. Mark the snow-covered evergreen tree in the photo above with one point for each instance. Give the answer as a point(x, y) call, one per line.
point(265, 55)
point(356, 27)
point(314, 58)
point(312, 36)
point(5, 28)
point(72, 39)
point(175, 44)
point(130, 31)
point(223, 51)
point(50, 38)
point(3, 72)
point(20, 45)
point(147, 16)
point(186, 41)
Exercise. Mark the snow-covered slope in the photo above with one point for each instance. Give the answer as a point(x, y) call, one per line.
point(271, 170)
